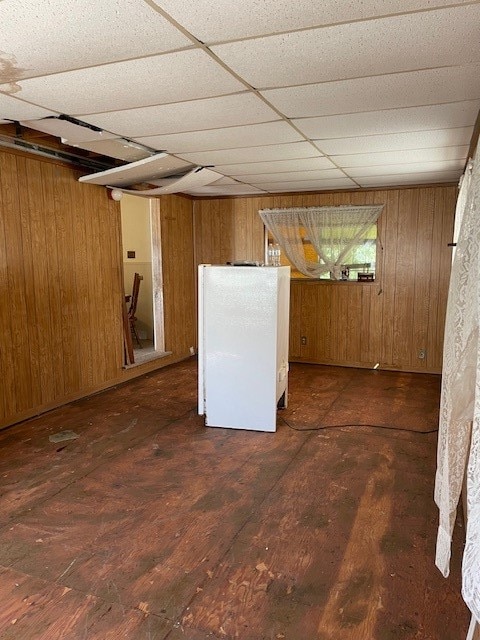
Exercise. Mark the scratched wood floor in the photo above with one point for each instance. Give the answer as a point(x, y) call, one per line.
point(150, 526)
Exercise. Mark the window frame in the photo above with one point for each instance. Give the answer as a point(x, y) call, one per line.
point(302, 278)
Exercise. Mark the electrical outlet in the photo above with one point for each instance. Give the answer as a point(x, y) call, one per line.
point(192, 351)
point(303, 340)
point(422, 354)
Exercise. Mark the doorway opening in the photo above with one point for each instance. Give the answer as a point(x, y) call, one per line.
point(143, 282)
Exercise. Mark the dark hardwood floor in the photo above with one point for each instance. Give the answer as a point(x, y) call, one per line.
point(149, 526)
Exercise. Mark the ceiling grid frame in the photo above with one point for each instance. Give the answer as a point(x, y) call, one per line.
point(338, 132)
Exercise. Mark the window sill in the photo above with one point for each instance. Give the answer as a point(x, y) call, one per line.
point(155, 355)
point(336, 282)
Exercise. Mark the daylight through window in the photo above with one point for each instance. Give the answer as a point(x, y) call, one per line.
point(327, 243)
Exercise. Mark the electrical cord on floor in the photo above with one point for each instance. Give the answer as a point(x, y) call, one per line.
point(339, 426)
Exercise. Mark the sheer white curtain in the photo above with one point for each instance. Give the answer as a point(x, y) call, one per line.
point(333, 231)
point(459, 426)
point(465, 182)
point(285, 225)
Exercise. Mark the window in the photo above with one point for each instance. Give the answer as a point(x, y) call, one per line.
point(327, 243)
point(361, 259)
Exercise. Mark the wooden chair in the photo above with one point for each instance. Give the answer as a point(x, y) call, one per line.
point(133, 307)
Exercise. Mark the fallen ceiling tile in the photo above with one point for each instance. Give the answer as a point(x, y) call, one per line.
point(147, 170)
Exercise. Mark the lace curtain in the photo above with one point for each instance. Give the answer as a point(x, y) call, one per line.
point(459, 427)
point(333, 232)
point(465, 181)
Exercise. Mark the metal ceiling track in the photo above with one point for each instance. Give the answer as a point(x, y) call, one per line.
point(53, 154)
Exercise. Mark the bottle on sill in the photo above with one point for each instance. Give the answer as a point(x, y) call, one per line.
point(276, 255)
point(273, 255)
point(270, 254)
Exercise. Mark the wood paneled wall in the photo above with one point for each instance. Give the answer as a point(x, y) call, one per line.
point(228, 229)
point(62, 296)
point(178, 274)
point(61, 286)
point(354, 324)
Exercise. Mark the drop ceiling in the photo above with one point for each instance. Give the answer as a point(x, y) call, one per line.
point(274, 96)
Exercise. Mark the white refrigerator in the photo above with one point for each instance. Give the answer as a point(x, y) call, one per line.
point(243, 345)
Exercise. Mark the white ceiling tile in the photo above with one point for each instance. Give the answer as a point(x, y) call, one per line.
point(303, 164)
point(222, 20)
point(225, 190)
point(71, 132)
point(253, 154)
point(116, 148)
point(224, 180)
point(308, 185)
point(13, 109)
point(292, 176)
point(401, 43)
point(146, 170)
point(362, 90)
point(396, 141)
point(439, 154)
point(408, 167)
point(412, 178)
point(441, 116)
point(193, 179)
point(412, 88)
point(210, 113)
point(47, 36)
point(227, 138)
point(171, 77)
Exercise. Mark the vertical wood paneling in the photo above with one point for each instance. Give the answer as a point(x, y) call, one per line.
point(325, 321)
point(60, 274)
point(405, 276)
point(294, 348)
point(61, 333)
point(350, 323)
point(337, 314)
point(92, 319)
point(229, 229)
point(376, 326)
point(30, 267)
point(248, 230)
point(422, 301)
point(66, 284)
point(86, 325)
point(446, 201)
point(242, 231)
point(365, 315)
point(389, 228)
point(214, 232)
point(432, 335)
point(52, 322)
point(15, 293)
point(353, 323)
point(178, 273)
point(96, 313)
point(6, 352)
point(309, 322)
